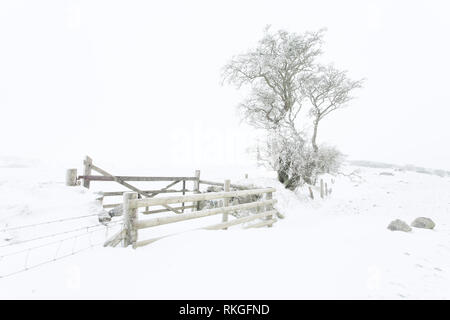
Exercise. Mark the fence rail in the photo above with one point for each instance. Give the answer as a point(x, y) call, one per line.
point(120, 193)
point(132, 224)
point(199, 214)
point(211, 183)
point(140, 198)
point(72, 179)
point(135, 178)
point(197, 197)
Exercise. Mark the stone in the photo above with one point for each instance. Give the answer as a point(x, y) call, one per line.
point(104, 217)
point(399, 225)
point(214, 189)
point(424, 223)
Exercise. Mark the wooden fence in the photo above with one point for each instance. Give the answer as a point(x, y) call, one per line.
point(129, 234)
point(72, 179)
point(248, 198)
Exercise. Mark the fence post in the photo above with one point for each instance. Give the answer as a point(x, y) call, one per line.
point(321, 188)
point(99, 198)
point(326, 189)
point(269, 207)
point(196, 189)
point(311, 194)
point(226, 201)
point(129, 220)
point(87, 171)
point(246, 176)
point(184, 192)
point(71, 177)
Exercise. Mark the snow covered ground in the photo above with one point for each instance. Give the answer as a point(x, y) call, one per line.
point(336, 248)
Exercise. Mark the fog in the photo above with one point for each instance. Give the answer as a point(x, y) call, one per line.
point(138, 82)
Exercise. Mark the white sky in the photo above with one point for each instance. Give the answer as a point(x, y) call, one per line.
point(138, 82)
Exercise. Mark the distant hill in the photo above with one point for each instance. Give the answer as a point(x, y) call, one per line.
point(408, 167)
point(17, 162)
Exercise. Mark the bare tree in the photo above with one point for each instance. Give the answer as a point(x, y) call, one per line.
point(282, 75)
point(328, 90)
point(275, 70)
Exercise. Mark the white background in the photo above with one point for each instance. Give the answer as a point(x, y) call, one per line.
point(138, 82)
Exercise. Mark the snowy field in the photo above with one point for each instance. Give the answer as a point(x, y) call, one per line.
point(335, 248)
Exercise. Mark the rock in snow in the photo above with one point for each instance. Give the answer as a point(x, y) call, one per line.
point(422, 222)
point(399, 225)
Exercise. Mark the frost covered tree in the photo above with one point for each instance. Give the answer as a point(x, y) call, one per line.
point(294, 159)
point(275, 70)
point(328, 90)
point(284, 152)
point(282, 75)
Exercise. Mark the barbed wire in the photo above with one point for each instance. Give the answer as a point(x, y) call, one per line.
point(55, 256)
point(54, 242)
point(26, 268)
point(48, 222)
point(59, 233)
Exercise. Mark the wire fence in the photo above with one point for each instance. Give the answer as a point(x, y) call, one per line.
point(53, 254)
point(57, 234)
point(26, 267)
point(47, 222)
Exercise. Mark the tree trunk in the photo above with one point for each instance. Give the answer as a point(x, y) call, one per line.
point(282, 171)
point(313, 178)
point(289, 182)
point(314, 137)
